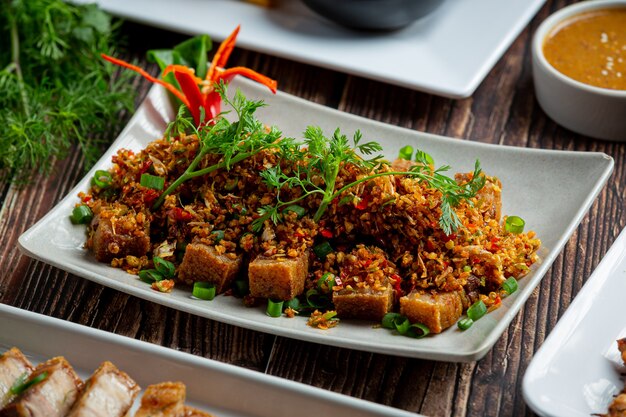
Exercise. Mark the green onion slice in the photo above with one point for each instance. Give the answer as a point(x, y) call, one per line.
point(389, 320)
point(166, 268)
point(274, 308)
point(316, 300)
point(322, 250)
point(203, 290)
point(402, 325)
point(417, 331)
point(510, 285)
point(81, 215)
point(102, 179)
point(326, 282)
point(294, 304)
point(152, 181)
point(514, 224)
point(22, 383)
point(231, 184)
point(477, 310)
point(242, 287)
point(329, 315)
point(465, 324)
point(299, 210)
point(406, 152)
point(150, 275)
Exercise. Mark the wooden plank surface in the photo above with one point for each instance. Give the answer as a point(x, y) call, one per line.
point(502, 111)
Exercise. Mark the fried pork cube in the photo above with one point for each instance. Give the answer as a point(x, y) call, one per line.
point(367, 304)
point(203, 263)
point(278, 278)
point(13, 365)
point(55, 387)
point(436, 311)
point(166, 399)
point(109, 392)
point(192, 412)
point(489, 197)
point(119, 232)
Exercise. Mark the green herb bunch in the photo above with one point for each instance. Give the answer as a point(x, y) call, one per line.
point(55, 91)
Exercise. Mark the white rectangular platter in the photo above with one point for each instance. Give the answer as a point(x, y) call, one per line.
point(447, 53)
point(222, 389)
point(538, 185)
point(576, 372)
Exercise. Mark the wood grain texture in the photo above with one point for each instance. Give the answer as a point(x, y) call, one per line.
point(502, 111)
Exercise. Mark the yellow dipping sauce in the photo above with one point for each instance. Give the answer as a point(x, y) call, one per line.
point(590, 48)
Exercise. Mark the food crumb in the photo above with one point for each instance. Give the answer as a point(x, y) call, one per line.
point(323, 321)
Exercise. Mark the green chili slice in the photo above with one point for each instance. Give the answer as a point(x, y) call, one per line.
point(477, 310)
point(514, 224)
point(152, 181)
point(274, 308)
point(203, 290)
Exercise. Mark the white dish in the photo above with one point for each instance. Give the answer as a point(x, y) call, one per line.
point(577, 370)
point(215, 387)
point(538, 186)
point(583, 108)
point(449, 52)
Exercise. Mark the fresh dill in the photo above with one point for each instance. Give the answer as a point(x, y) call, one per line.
point(56, 91)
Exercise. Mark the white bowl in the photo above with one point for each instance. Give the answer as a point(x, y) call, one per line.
point(585, 109)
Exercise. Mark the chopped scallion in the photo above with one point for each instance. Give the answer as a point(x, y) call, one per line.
point(219, 235)
point(389, 320)
point(465, 323)
point(510, 285)
point(152, 181)
point(81, 215)
point(402, 325)
point(150, 275)
point(274, 308)
point(514, 224)
point(294, 304)
point(242, 287)
point(406, 152)
point(102, 179)
point(166, 268)
point(417, 331)
point(203, 290)
point(477, 310)
point(326, 282)
point(322, 250)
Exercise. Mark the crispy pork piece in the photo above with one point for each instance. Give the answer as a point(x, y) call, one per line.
point(621, 345)
point(366, 303)
point(13, 365)
point(202, 263)
point(55, 387)
point(489, 197)
point(618, 406)
point(278, 278)
point(192, 412)
point(119, 232)
point(436, 311)
point(109, 392)
point(166, 399)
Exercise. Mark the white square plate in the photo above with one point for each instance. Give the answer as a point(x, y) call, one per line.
point(538, 185)
point(215, 387)
point(448, 53)
point(576, 372)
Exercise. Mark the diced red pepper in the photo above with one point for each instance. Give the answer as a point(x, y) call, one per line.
point(447, 238)
point(397, 285)
point(326, 233)
point(149, 196)
point(179, 214)
point(362, 205)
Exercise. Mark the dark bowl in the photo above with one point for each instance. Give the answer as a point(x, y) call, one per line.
point(373, 14)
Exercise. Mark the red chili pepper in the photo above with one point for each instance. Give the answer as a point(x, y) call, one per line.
point(498, 300)
point(447, 238)
point(362, 205)
point(298, 234)
point(230, 73)
point(326, 233)
point(366, 263)
point(179, 214)
point(192, 92)
point(145, 167)
point(86, 198)
point(149, 196)
point(397, 285)
point(430, 246)
point(475, 261)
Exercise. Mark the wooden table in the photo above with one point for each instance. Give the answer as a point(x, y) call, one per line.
point(502, 111)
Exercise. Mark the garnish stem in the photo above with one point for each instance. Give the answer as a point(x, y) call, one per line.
point(15, 58)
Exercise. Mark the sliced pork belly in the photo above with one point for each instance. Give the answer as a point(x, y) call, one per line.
point(13, 365)
point(109, 392)
point(55, 387)
point(166, 399)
